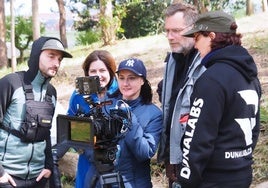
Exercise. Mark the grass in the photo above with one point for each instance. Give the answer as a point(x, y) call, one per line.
point(260, 166)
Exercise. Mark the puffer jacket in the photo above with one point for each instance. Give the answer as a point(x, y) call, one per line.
point(140, 144)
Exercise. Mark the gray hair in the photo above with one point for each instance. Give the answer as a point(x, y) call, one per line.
point(190, 12)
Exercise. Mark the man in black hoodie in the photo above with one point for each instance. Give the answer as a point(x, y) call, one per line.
point(223, 126)
point(25, 144)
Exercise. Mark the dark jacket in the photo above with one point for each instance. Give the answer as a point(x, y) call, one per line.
point(30, 158)
point(224, 121)
point(175, 77)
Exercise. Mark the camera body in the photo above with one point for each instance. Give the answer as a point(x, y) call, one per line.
point(97, 130)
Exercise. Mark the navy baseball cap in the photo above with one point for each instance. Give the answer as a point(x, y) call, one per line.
point(134, 65)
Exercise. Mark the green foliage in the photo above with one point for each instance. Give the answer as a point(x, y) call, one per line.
point(68, 182)
point(23, 33)
point(264, 117)
point(88, 37)
point(142, 19)
point(119, 13)
point(86, 19)
point(227, 5)
point(260, 166)
point(138, 17)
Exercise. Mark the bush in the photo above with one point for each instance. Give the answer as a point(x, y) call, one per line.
point(143, 19)
point(87, 37)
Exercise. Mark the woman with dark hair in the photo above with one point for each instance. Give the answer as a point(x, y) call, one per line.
point(141, 137)
point(140, 144)
point(223, 126)
point(102, 64)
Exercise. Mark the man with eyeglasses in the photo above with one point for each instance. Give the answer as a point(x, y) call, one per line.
point(182, 70)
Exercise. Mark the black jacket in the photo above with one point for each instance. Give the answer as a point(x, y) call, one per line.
point(224, 121)
point(30, 158)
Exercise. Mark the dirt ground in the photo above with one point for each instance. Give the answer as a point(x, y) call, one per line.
point(152, 51)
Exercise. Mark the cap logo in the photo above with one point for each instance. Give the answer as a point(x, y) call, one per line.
point(201, 27)
point(130, 63)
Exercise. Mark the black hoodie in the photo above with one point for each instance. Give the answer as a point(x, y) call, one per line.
point(12, 99)
point(224, 121)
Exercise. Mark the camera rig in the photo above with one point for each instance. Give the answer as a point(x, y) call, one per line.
point(97, 131)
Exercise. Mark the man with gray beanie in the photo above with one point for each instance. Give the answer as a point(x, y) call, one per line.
point(27, 106)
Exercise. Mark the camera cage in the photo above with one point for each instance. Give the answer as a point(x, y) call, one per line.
point(95, 129)
point(87, 85)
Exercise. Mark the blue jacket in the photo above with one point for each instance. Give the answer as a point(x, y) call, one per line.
point(140, 144)
point(79, 107)
point(137, 147)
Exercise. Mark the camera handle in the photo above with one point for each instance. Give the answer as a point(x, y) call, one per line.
point(55, 180)
point(111, 178)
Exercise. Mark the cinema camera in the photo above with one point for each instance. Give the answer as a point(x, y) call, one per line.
point(96, 131)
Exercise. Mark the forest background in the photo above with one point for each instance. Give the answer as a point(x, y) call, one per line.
point(147, 43)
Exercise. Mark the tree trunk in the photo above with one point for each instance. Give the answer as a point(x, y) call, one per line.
point(3, 47)
point(264, 5)
point(250, 8)
point(62, 23)
point(35, 19)
point(12, 37)
point(107, 22)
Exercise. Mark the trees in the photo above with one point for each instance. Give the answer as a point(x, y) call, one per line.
point(108, 23)
point(264, 5)
point(3, 48)
point(248, 5)
point(143, 18)
point(108, 18)
point(35, 17)
point(62, 23)
point(23, 34)
point(250, 9)
point(12, 37)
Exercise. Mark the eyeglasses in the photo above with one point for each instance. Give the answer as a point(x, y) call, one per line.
point(175, 31)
